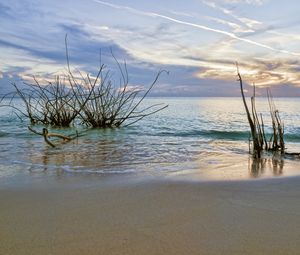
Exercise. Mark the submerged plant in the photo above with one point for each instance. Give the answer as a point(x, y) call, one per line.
point(50, 104)
point(94, 101)
point(111, 107)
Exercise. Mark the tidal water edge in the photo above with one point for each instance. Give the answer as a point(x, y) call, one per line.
point(202, 138)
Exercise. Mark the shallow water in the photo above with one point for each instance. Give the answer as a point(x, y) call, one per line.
point(203, 138)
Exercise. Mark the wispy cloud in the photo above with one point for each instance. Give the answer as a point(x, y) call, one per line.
point(262, 72)
point(252, 2)
point(236, 28)
point(246, 22)
point(4, 10)
point(179, 13)
point(198, 26)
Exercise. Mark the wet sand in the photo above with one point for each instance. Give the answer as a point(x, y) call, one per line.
point(152, 217)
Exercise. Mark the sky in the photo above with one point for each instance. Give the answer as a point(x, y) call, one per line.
point(197, 41)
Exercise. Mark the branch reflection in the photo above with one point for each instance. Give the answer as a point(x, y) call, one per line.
point(263, 166)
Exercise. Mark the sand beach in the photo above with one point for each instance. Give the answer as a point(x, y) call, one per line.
point(152, 217)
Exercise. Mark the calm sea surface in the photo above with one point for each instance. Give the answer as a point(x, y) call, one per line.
point(202, 138)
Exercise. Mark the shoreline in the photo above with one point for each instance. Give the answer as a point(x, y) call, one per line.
point(152, 216)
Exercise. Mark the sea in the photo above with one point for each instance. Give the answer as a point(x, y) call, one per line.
point(197, 139)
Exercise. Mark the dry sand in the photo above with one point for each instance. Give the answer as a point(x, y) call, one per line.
point(152, 217)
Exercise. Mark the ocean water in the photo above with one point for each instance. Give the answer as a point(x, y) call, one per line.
point(197, 138)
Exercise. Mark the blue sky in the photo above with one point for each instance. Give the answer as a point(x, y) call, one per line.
point(198, 41)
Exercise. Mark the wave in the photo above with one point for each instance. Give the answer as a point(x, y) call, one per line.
point(210, 134)
point(292, 137)
point(68, 169)
point(3, 134)
point(39, 168)
point(224, 135)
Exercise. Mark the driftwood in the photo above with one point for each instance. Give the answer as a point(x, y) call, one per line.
point(45, 133)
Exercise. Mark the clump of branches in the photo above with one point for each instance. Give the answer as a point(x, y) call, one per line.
point(51, 104)
point(257, 127)
point(95, 101)
point(111, 106)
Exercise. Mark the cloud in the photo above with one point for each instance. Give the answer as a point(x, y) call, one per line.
point(6, 83)
point(264, 73)
point(179, 13)
point(250, 2)
point(247, 23)
point(4, 11)
point(198, 26)
point(197, 43)
point(33, 51)
point(236, 28)
point(132, 43)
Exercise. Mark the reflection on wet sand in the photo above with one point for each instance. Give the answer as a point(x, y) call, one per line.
point(259, 166)
point(114, 156)
point(108, 154)
point(97, 155)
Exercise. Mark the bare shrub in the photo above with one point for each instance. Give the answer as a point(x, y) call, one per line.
point(51, 104)
point(95, 101)
point(111, 106)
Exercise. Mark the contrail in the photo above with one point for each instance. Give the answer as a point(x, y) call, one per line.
point(231, 35)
